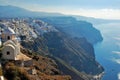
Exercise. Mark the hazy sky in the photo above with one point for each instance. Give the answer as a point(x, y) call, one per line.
point(109, 9)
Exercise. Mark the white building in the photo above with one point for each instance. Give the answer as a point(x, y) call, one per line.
point(8, 34)
point(11, 47)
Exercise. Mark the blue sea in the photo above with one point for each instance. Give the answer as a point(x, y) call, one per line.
point(108, 51)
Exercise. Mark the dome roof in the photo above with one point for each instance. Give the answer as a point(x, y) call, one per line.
point(10, 42)
point(9, 45)
point(9, 30)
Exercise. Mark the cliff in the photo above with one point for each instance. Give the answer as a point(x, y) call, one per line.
point(75, 28)
point(74, 55)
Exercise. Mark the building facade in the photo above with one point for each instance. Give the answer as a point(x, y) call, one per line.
point(11, 47)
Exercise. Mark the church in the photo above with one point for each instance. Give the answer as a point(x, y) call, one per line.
point(11, 46)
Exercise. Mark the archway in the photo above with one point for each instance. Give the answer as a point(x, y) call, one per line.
point(8, 37)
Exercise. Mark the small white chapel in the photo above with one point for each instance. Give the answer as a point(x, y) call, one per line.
point(11, 45)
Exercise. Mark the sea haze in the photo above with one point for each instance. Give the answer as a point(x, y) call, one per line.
point(108, 51)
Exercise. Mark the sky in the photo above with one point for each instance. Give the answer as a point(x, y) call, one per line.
point(106, 9)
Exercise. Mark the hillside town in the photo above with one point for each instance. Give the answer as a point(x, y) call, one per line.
point(15, 56)
point(27, 29)
point(11, 49)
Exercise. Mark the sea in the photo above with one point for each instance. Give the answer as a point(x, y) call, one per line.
point(108, 51)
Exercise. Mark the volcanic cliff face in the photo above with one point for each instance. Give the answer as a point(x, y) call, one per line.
point(75, 28)
point(72, 52)
point(74, 55)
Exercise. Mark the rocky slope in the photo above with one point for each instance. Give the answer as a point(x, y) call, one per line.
point(45, 69)
point(74, 55)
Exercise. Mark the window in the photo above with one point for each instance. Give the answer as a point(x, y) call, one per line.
point(8, 53)
point(8, 37)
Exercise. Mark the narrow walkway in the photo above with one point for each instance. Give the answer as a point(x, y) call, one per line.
point(22, 56)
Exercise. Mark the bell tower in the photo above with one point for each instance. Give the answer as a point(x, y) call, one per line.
point(8, 34)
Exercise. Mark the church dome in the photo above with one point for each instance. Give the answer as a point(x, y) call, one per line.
point(9, 30)
point(10, 42)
